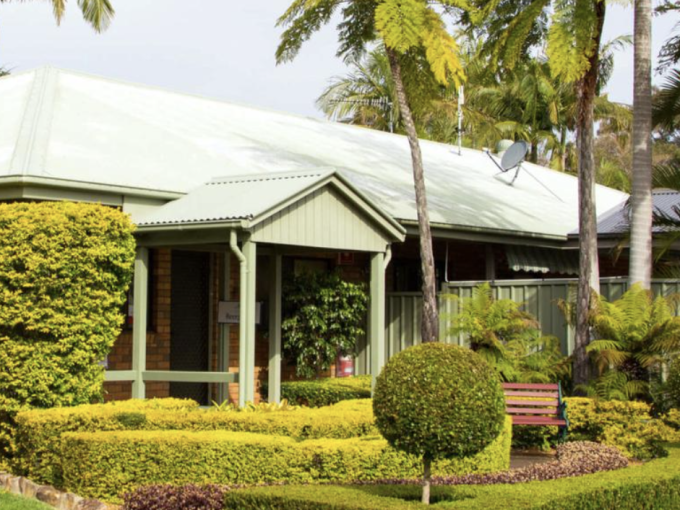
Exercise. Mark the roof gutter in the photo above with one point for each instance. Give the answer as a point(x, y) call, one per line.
point(51, 182)
point(469, 233)
point(180, 227)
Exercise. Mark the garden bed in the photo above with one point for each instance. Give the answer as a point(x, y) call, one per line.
point(654, 485)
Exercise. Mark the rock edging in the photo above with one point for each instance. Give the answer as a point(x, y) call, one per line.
point(47, 494)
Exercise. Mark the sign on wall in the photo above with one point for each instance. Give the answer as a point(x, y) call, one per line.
point(228, 312)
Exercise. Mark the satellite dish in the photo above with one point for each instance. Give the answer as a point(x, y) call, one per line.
point(513, 159)
point(514, 156)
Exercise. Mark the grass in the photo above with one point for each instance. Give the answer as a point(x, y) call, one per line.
point(654, 485)
point(11, 502)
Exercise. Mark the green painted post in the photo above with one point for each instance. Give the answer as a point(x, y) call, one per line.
point(225, 329)
point(248, 381)
point(376, 328)
point(140, 296)
point(275, 295)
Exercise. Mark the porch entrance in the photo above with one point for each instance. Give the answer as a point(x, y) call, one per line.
point(190, 321)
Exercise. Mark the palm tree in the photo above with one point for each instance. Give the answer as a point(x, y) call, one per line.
point(366, 96)
point(415, 38)
point(641, 199)
point(97, 13)
point(573, 30)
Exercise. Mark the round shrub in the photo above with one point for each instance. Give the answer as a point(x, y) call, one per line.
point(438, 401)
point(64, 271)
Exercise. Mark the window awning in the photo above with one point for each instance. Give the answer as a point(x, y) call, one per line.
point(542, 260)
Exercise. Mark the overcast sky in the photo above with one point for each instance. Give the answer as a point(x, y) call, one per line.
point(217, 48)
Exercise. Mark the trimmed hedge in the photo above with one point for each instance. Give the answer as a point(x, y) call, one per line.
point(628, 426)
point(654, 485)
point(328, 391)
point(64, 272)
point(106, 464)
point(37, 441)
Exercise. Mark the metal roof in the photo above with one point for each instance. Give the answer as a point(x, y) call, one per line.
point(616, 221)
point(254, 199)
point(72, 127)
point(232, 198)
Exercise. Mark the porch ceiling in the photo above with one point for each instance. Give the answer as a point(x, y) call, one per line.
point(318, 209)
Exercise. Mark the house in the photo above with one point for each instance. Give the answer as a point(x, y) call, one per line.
point(229, 198)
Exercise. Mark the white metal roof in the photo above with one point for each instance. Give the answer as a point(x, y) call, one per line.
point(255, 198)
point(65, 125)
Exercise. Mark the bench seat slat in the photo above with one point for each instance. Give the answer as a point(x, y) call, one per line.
point(537, 394)
point(538, 420)
point(529, 386)
point(532, 403)
point(523, 410)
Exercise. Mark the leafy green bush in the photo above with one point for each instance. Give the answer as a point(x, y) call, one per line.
point(37, 441)
point(634, 335)
point(673, 383)
point(64, 271)
point(627, 425)
point(327, 391)
point(106, 464)
point(654, 485)
point(508, 338)
point(438, 401)
point(323, 318)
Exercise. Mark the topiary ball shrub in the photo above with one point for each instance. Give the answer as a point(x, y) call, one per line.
point(438, 401)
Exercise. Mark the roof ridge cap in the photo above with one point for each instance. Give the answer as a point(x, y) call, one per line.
point(35, 123)
point(274, 176)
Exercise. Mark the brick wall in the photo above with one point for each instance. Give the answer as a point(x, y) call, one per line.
point(158, 337)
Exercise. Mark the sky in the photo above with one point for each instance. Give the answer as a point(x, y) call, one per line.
point(217, 48)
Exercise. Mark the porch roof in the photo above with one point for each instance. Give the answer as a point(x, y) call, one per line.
point(318, 209)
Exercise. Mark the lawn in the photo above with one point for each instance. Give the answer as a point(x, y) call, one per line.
point(653, 485)
point(11, 502)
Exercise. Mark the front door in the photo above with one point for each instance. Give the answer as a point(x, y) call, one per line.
point(190, 328)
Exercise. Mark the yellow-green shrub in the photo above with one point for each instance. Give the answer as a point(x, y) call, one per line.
point(327, 391)
point(64, 271)
point(627, 425)
point(107, 464)
point(38, 431)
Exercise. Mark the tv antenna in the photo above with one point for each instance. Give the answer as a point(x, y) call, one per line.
point(512, 160)
point(381, 102)
point(461, 103)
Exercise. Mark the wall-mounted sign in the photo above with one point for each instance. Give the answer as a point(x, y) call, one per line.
point(346, 258)
point(228, 312)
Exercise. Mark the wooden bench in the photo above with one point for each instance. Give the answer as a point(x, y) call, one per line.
point(536, 404)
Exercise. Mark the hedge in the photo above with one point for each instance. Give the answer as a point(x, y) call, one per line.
point(328, 391)
point(64, 272)
point(107, 464)
point(37, 440)
point(627, 425)
point(654, 485)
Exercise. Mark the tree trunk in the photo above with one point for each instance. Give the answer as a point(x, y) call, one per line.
point(589, 273)
point(641, 200)
point(430, 322)
point(427, 480)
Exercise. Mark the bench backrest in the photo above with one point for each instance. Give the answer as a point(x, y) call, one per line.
point(532, 399)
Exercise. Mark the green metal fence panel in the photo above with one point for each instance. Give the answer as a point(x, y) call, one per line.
point(539, 297)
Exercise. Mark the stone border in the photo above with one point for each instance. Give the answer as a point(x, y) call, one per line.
point(20, 486)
